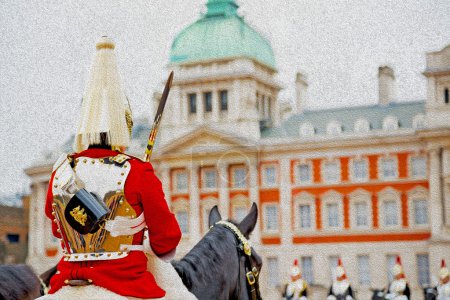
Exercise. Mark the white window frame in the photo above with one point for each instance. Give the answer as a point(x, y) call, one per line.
point(360, 274)
point(175, 181)
point(304, 271)
point(332, 197)
point(360, 196)
point(265, 206)
point(361, 126)
point(297, 175)
point(419, 121)
point(264, 182)
point(387, 195)
point(334, 128)
point(307, 130)
point(352, 173)
point(418, 193)
point(381, 171)
point(419, 269)
point(390, 123)
point(271, 273)
point(323, 171)
point(410, 166)
point(304, 198)
point(246, 181)
point(183, 206)
point(203, 174)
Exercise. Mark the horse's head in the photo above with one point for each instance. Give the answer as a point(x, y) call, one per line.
point(218, 266)
point(378, 294)
point(430, 293)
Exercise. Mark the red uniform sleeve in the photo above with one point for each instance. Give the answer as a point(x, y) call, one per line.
point(48, 207)
point(164, 231)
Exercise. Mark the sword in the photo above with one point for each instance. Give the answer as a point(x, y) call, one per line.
point(157, 121)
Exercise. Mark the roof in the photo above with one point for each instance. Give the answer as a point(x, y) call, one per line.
point(347, 116)
point(221, 33)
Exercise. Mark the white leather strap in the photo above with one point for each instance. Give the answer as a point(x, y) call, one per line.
point(125, 225)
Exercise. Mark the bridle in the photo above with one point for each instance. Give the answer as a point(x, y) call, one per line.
point(250, 266)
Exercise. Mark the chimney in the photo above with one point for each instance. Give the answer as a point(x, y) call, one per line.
point(301, 88)
point(386, 85)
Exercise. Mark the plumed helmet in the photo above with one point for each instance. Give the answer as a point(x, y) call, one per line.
point(340, 271)
point(443, 272)
point(397, 269)
point(104, 108)
point(295, 269)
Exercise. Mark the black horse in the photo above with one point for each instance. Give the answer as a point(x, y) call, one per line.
point(378, 294)
point(430, 293)
point(216, 267)
point(18, 282)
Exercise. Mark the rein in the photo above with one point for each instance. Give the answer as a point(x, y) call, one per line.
point(250, 266)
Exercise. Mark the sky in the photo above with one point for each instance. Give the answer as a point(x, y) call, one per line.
point(47, 47)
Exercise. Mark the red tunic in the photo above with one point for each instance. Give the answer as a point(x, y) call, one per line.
point(127, 276)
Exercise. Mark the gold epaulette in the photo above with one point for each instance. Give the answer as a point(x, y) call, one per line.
point(120, 159)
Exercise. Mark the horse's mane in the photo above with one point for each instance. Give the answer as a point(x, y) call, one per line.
point(199, 263)
point(17, 282)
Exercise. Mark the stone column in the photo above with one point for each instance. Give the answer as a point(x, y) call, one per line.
point(165, 180)
point(200, 107)
point(285, 202)
point(224, 196)
point(194, 205)
point(254, 197)
point(40, 224)
point(215, 106)
point(435, 191)
point(184, 108)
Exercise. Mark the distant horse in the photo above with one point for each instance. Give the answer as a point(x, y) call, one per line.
point(430, 293)
point(18, 282)
point(217, 267)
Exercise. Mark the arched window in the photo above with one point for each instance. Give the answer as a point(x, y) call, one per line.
point(307, 130)
point(362, 126)
point(419, 121)
point(334, 128)
point(390, 123)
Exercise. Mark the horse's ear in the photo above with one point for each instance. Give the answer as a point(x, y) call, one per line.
point(214, 216)
point(248, 223)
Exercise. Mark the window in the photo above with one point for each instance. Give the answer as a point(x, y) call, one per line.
point(419, 121)
point(363, 270)
point(331, 172)
point(305, 216)
point(420, 212)
point(423, 269)
point(181, 181)
point(307, 130)
point(333, 215)
point(223, 100)
point(271, 217)
point(390, 213)
point(333, 262)
point(361, 214)
point(334, 128)
point(389, 168)
point(209, 179)
point(446, 97)
point(239, 177)
point(390, 123)
point(207, 100)
point(239, 213)
point(418, 166)
point(362, 126)
point(391, 260)
point(273, 271)
point(192, 103)
point(183, 221)
point(269, 176)
point(12, 238)
point(303, 173)
point(307, 268)
point(360, 170)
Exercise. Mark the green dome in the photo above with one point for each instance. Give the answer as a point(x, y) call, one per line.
point(221, 33)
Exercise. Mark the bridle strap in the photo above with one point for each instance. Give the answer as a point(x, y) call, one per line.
point(250, 266)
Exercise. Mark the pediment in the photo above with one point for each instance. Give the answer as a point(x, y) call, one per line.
point(206, 140)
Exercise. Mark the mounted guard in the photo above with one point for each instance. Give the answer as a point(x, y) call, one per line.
point(340, 289)
point(107, 207)
point(399, 288)
point(443, 287)
point(296, 289)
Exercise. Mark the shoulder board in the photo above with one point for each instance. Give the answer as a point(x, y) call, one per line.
point(120, 159)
